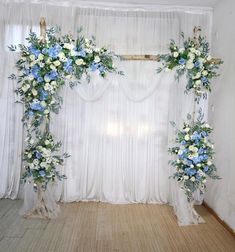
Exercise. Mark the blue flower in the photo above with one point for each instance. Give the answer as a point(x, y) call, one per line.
point(101, 68)
point(30, 113)
point(52, 75)
point(38, 154)
point(43, 95)
point(183, 142)
point(39, 79)
point(197, 64)
point(206, 168)
point(34, 51)
point(35, 71)
point(44, 50)
point(192, 172)
point(94, 66)
point(54, 51)
point(204, 134)
point(204, 79)
point(182, 61)
point(200, 151)
point(81, 53)
point(42, 173)
point(68, 66)
point(37, 107)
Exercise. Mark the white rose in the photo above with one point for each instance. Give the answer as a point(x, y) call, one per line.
point(29, 155)
point(43, 103)
point(186, 177)
point(209, 163)
point(56, 63)
point(198, 82)
point(46, 79)
point(175, 54)
point(191, 147)
point(52, 67)
point(61, 55)
point(47, 142)
point(41, 64)
point(32, 57)
point(63, 59)
point(40, 56)
point(34, 92)
point(191, 166)
point(191, 56)
point(79, 62)
point(204, 73)
point(189, 65)
point(187, 129)
point(88, 50)
point(54, 83)
point(187, 137)
point(97, 59)
point(46, 111)
point(31, 77)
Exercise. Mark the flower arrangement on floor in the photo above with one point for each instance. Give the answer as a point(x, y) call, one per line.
point(194, 60)
point(43, 67)
point(193, 157)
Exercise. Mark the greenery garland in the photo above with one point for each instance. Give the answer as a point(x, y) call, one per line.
point(43, 68)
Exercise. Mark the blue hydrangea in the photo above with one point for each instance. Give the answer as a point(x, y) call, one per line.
point(81, 52)
point(35, 72)
point(182, 61)
point(54, 51)
point(38, 154)
point(52, 75)
point(197, 64)
point(94, 66)
point(42, 173)
point(37, 107)
point(43, 95)
point(34, 51)
point(204, 79)
point(68, 66)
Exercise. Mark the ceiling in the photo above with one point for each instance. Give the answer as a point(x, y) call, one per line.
point(209, 3)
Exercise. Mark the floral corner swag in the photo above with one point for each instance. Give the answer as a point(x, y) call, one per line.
point(194, 60)
point(193, 157)
point(44, 66)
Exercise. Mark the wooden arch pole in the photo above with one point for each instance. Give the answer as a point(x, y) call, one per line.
point(43, 29)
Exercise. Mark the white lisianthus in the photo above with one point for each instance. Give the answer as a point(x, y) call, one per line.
point(186, 177)
point(199, 165)
point(88, 50)
point(61, 55)
point(63, 59)
point(197, 76)
point(56, 63)
point(40, 56)
point(191, 147)
point(25, 87)
point(204, 73)
point(175, 54)
point(47, 142)
point(29, 155)
point(34, 92)
point(46, 111)
point(193, 179)
point(187, 129)
point(189, 65)
point(52, 67)
point(41, 64)
point(187, 138)
point(97, 59)
point(48, 61)
point(68, 46)
point(32, 57)
point(79, 62)
point(46, 80)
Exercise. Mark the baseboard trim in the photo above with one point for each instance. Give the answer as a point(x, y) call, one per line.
point(223, 223)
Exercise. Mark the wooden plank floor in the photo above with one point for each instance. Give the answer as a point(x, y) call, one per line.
point(104, 227)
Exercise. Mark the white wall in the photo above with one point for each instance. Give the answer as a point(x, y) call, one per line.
point(221, 194)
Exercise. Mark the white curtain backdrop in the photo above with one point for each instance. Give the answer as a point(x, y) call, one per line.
point(117, 130)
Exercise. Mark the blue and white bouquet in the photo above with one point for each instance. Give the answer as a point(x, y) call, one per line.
point(42, 159)
point(194, 60)
point(44, 66)
point(193, 157)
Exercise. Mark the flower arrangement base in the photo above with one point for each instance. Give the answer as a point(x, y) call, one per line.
point(197, 219)
point(40, 204)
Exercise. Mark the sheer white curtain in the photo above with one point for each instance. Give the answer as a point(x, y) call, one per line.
point(116, 130)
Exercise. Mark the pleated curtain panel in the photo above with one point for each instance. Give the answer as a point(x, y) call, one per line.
point(117, 130)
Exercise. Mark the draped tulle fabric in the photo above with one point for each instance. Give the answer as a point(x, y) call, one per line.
point(117, 130)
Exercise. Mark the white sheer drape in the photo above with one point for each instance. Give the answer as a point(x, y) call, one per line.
point(116, 130)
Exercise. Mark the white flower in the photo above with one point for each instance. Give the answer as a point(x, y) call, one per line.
point(31, 141)
point(43, 103)
point(29, 155)
point(193, 50)
point(32, 57)
point(56, 63)
point(97, 50)
point(61, 55)
point(187, 138)
point(178, 161)
point(68, 46)
point(40, 56)
point(25, 87)
point(191, 166)
point(209, 163)
point(46, 111)
point(209, 57)
point(166, 70)
point(47, 142)
point(35, 162)
point(31, 77)
point(180, 152)
point(187, 129)
point(191, 147)
point(198, 82)
point(199, 165)
point(191, 56)
point(34, 92)
point(63, 59)
point(204, 73)
point(189, 65)
point(197, 52)
point(88, 50)
point(175, 54)
point(79, 62)
point(197, 76)
point(97, 59)
point(87, 41)
point(186, 177)
point(193, 179)
point(52, 67)
point(41, 64)
point(46, 80)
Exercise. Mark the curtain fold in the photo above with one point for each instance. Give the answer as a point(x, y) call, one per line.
point(117, 130)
